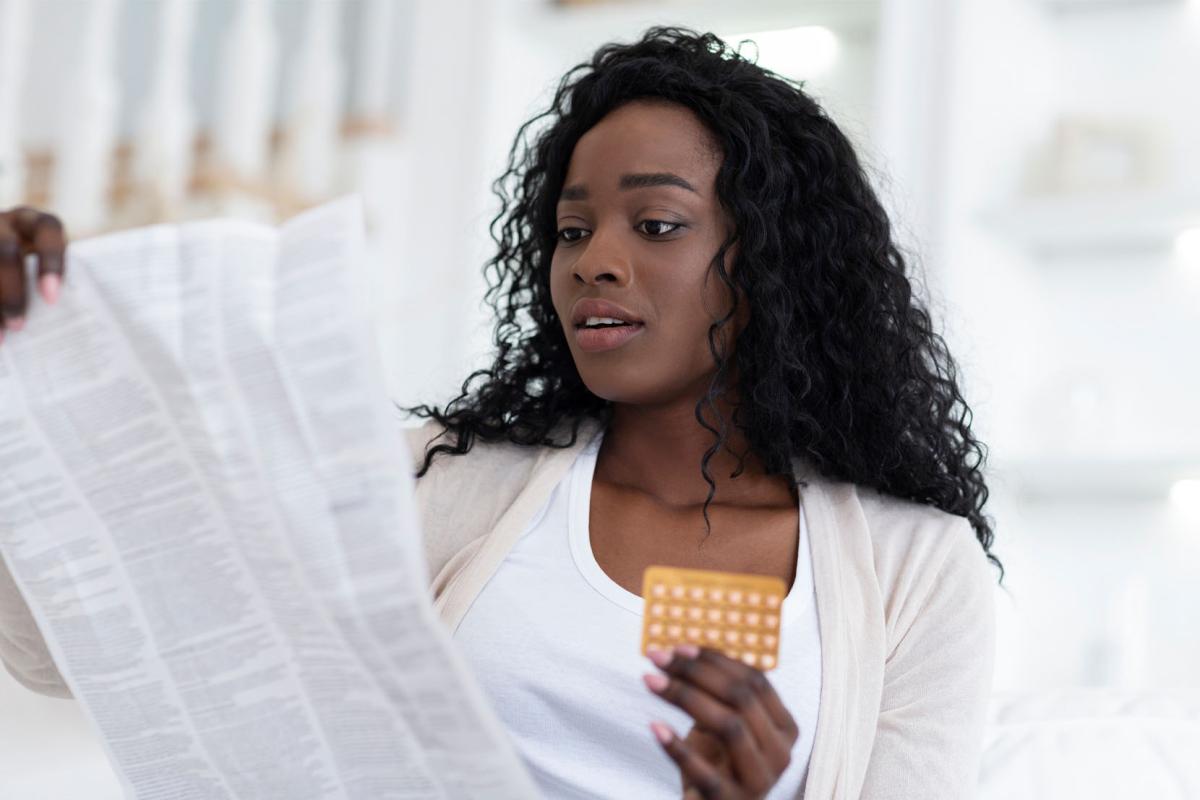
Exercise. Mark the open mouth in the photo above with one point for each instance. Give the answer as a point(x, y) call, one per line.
point(595, 323)
point(599, 337)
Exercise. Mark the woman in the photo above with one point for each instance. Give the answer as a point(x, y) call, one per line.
point(709, 355)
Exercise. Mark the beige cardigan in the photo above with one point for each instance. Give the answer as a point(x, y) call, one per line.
point(904, 601)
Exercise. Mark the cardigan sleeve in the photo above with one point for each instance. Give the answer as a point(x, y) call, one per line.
point(22, 648)
point(937, 680)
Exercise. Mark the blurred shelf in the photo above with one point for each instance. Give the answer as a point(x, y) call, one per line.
point(1063, 6)
point(1101, 223)
point(1101, 478)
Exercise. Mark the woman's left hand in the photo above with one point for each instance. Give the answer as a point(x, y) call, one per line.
point(735, 705)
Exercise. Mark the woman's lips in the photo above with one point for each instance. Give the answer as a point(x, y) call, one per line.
point(594, 340)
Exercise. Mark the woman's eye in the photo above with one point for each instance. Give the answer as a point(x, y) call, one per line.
point(570, 235)
point(563, 234)
point(673, 226)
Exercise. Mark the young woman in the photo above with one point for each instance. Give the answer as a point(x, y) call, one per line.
point(709, 355)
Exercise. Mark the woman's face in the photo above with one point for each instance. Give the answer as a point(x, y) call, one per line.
point(630, 232)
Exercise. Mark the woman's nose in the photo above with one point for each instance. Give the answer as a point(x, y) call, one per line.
point(604, 257)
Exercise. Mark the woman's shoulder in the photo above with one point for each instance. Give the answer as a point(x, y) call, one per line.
point(915, 545)
point(893, 518)
point(461, 497)
point(482, 455)
point(460, 488)
point(490, 473)
point(488, 456)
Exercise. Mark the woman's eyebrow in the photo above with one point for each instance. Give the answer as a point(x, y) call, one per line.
point(638, 180)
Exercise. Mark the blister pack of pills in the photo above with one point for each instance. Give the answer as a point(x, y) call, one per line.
point(736, 613)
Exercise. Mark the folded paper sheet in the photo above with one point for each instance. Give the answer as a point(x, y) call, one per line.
point(206, 506)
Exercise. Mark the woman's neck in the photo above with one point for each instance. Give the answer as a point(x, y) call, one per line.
point(658, 451)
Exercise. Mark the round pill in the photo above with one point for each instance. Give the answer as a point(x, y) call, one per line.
point(732, 637)
point(693, 633)
point(676, 591)
point(697, 593)
point(677, 612)
point(749, 658)
point(716, 595)
point(770, 620)
point(713, 634)
point(768, 660)
point(754, 598)
point(695, 612)
point(734, 616)
point(769, 640)
point(659, 590)
point(772, 601)
point(674, 631)
point(735, 596)
point(752, 617)
point(714, 615)
point(655, 629)
point(656, 610)
point(750, 637)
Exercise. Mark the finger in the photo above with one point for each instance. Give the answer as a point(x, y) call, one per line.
point(776, 711)
point(711, 749)
point(711, 671)
point(12, 276)
point(702, 776)
point(49, 241)
point(713, 716)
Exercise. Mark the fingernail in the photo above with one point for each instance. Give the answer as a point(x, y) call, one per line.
point(50, 285)
point(656, 683)
point(1, 336)
point(687, 650)
point(661, 732)
point(15, 323)
point(659, 657)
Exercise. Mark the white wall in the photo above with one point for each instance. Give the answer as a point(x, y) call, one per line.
point(1082, 363)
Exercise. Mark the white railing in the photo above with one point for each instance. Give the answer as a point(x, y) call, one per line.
point(121, 112)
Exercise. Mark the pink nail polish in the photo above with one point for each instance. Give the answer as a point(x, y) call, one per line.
point(661, 732)
point(688, 650)
point(659, 657)
point(15, 323)
point(50, 288)
point(656, 683)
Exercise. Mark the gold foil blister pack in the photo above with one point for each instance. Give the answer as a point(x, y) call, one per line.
point(736, 613)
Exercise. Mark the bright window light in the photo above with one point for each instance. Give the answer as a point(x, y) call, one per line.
point(1187, 245)
point(797, 53)
point(1185, 495)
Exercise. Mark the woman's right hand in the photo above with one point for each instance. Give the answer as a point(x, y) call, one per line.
point(25, 230)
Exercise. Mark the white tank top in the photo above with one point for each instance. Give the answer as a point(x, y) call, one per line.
point(555, 643)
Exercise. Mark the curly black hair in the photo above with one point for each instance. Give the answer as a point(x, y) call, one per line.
point(839, 362)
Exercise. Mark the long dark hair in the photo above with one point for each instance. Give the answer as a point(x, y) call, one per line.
point(839, 363)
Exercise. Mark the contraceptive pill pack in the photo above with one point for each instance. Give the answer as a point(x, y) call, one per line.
point(736, 613)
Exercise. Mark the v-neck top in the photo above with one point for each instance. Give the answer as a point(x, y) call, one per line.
point(555, 643)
